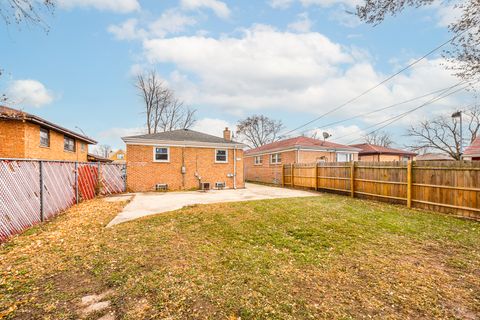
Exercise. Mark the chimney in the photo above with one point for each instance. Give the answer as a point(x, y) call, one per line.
point(227, 134)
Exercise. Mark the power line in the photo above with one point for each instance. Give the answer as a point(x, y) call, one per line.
point(378, 84)
point(388, 107)
point(402, 115)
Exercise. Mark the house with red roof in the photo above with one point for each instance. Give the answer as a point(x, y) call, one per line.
point(265, 163)
point(375, 153)
point(472, 152)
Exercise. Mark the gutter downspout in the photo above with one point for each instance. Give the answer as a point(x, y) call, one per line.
point(235, 168)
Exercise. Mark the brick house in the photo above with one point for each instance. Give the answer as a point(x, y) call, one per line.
point(265, 163)
point(119, 156)
point(183, 160)
point(472, 152)
point(26, 136)
point(375, 153)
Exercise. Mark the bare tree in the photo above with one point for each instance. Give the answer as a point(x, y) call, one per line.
point(258, 130)
point(163, 111)
point(28, 11)
point(379, 138)
point(465, 54)
point(443, 133)
point(103, 150)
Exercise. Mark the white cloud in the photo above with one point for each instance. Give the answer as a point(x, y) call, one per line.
point(219, 7)
point(120, 6)
point(345, 17)
point(280, 4)
point(127, 31)
point(213, 126)
point(171, 21)
point(264, 68)
point(447, 13)
point(283, 4)
point(303, 24)
point(29, 93)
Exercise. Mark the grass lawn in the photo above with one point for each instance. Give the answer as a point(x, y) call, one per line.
point(302, 258)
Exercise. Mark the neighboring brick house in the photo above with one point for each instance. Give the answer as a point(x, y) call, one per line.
point(265, 163)
point(472, 152)
point(434, 157)
point(26, 136)
point(375, 153)
point(183, 160)
point(119, 156)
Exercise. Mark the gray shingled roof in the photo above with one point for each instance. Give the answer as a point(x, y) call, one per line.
point(182, 135)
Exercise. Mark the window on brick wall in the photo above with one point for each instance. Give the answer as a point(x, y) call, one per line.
point(275, 158)
point(44, 137)
point(258, 160)
point(221, 156)
point(83, 146)
point(161, 154)
point(68, 144)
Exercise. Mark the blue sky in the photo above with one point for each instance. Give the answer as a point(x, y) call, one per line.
point(288, 59)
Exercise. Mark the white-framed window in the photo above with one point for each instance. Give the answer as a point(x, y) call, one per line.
point(83, 146)
point(120, 156)
point(44, 137)
point(275, 158)
point(221, 155)
point(161, 154)
point(405, 158)
point(344, 157)
point(258, 160)
point(68, 144)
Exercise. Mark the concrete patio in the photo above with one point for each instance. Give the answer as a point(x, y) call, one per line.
point(145, 204)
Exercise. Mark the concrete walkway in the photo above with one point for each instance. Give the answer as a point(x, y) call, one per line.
point(145, 204)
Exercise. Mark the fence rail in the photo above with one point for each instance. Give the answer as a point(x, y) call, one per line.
point(446, 186)
point(32, 191)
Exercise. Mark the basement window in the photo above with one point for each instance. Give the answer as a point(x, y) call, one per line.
point(161, 154)
point(221, 156)
point(44, 137)
point(68, 144)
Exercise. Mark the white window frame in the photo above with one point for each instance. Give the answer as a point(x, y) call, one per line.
point(258, 163)
point(277, 156)
point(226, 155)
point(121, 156)
point(349, 156)
point(155, 154)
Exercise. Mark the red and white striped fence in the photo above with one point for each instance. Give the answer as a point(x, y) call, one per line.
point(32, 191)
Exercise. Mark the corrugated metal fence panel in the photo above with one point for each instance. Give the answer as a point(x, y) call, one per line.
point(112, 178)
point(20, 203)
point(19, 196)
point(59, 187)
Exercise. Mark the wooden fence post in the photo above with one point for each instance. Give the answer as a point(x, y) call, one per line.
point(409, 184)
point(283, 175)
point(292, 173)
point(316, 176)
point(352, 179)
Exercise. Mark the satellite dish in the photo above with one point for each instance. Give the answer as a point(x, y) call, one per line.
point(326, 135)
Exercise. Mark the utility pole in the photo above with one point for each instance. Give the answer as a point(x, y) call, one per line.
point(458, 114)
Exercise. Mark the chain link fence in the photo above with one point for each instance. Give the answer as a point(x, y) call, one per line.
point(33, 191)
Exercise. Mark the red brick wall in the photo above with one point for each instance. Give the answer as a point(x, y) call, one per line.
point(143, 173)
point(22, 140)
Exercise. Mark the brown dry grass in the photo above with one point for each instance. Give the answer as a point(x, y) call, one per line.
point(326, 257)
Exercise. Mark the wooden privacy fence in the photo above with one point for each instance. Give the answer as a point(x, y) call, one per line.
point(34, 191)
point(445, 186)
